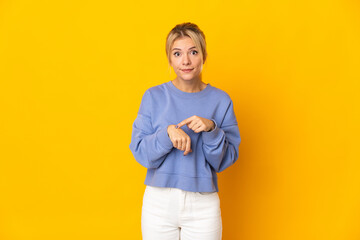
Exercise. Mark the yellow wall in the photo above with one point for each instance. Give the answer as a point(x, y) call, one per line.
point(72, 74)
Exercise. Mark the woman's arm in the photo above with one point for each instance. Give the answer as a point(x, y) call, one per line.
point(148, 146)
point(221, 145)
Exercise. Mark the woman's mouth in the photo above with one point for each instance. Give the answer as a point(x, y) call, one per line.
point(186, 70)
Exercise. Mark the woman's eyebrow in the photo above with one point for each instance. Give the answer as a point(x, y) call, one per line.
point(180, 49)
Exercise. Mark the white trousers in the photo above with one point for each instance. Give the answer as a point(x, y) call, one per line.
point(173, 214)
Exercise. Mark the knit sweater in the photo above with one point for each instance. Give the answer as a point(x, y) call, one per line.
point(212, 151)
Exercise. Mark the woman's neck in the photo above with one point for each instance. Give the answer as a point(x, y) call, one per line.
point(189, 86)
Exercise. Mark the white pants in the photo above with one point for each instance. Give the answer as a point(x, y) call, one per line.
point(173, 214)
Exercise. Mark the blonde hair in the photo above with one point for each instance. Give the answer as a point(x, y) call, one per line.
point(187, 29)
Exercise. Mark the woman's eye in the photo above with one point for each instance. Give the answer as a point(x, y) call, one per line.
point(194, 52)
point(176, 54)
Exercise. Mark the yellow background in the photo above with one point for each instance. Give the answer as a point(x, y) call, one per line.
point(72, 76)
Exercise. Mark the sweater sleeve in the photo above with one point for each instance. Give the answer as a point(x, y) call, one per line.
point(221, 145)
point(148, 146)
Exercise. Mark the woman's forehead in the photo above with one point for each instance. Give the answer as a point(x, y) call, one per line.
point(183, 43)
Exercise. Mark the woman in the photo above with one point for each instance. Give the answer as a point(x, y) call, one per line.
point(185, 132)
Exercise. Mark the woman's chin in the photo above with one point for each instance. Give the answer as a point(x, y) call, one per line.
point(188, 77)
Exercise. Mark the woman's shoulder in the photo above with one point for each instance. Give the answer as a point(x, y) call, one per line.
point(151, 92)
point(156, 89)
point(220, 93)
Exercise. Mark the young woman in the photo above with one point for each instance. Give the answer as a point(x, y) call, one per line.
point(185, 132)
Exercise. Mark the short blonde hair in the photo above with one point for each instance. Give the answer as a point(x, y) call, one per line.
point(187, 29)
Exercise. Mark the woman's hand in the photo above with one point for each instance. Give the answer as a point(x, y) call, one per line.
point(198, 124)
point(180, 139)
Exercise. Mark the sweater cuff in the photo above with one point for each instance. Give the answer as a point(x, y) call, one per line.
point(213, 135)
point(164, 139)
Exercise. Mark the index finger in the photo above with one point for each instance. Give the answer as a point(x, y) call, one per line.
point(183, 122)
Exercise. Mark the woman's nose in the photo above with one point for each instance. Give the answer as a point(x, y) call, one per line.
point(186, 59)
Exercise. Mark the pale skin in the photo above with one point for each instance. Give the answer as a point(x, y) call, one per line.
point(184, 55)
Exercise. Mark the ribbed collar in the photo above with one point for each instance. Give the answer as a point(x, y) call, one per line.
point(180, 93)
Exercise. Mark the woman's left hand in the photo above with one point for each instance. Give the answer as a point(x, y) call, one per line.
point(198, 124)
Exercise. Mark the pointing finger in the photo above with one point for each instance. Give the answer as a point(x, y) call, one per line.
point(183, 122)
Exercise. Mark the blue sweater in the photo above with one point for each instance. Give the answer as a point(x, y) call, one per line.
point(212, 152)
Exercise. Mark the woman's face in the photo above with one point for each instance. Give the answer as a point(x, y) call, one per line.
point(186, 59)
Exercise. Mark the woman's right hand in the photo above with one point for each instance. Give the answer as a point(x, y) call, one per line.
point(179, 138)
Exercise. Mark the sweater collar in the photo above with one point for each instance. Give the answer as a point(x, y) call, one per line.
point(188, 94)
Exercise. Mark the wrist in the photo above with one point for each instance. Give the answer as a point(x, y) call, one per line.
point(168, 128)
point(212, 127)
